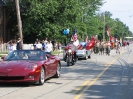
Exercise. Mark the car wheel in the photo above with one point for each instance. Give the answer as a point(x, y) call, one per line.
point(42, 76)
point(57, 75)
point(86, 57)
point(89, 56)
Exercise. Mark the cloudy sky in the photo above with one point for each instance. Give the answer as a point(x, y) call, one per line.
point(122, 9)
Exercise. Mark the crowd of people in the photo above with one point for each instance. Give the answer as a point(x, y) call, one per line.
point(46, 45)
point(102, 47)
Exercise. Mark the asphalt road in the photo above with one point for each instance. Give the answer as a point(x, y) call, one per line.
point(101, 77)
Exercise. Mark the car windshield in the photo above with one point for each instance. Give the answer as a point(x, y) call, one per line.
point(26, 55)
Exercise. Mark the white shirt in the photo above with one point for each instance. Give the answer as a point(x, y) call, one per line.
point(10, 48)
point(47, 48)
point(76, 43)
point(32, 47)
point(51, 46)
point(39, 46)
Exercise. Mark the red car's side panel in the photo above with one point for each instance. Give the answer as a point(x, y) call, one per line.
point(51, 65)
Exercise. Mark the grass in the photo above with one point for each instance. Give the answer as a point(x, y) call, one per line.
point(3, 54)
point(55, 52)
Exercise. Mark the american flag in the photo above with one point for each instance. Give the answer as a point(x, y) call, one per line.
point(81, 45)
point(74, 36)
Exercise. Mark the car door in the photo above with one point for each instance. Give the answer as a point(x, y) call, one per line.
point(50, 66)
point(53, 64)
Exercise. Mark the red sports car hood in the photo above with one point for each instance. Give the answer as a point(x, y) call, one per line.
point(15, 67)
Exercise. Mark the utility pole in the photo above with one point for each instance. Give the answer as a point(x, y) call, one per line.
point(19, 21)
point(103, 26)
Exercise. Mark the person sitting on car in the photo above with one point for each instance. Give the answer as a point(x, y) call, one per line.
point(23, 56)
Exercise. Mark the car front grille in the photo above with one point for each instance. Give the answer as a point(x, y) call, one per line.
point(11, 78)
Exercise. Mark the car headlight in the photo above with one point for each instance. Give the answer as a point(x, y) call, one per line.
point(69, 51)
point(31, 67)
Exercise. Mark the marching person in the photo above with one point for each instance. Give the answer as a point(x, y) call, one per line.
point(117, 47)
point(107, 47)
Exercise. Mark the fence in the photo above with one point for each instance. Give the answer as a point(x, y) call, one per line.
point(3, 47)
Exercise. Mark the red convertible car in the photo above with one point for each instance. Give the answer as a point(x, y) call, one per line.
point(29, 66)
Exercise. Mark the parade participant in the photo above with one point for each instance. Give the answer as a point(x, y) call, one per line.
point(18, 45)
point(73, 48)
point(10, 47)
point(117, 47)
point(101, 49)
point(108, 47)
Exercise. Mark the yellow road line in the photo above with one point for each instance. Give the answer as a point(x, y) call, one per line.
point(79, 88)
point(94, 80)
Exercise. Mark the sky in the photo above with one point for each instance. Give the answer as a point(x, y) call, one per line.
point(122, 9)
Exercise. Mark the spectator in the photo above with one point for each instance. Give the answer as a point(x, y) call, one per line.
point(39, 46)
point(53, 43)
point(51, 46)
point(59, 46)
point(43, 45)
point(48, 48)
point(32, 47)
point(46, 40)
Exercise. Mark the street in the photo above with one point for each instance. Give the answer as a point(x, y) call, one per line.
point(101, 77)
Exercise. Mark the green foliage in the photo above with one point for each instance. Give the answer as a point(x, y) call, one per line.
point(47, 18)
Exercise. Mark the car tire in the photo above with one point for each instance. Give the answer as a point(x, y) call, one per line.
point(89, 56)
point(42, 76)
point(86, 57)
point(57, 75)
